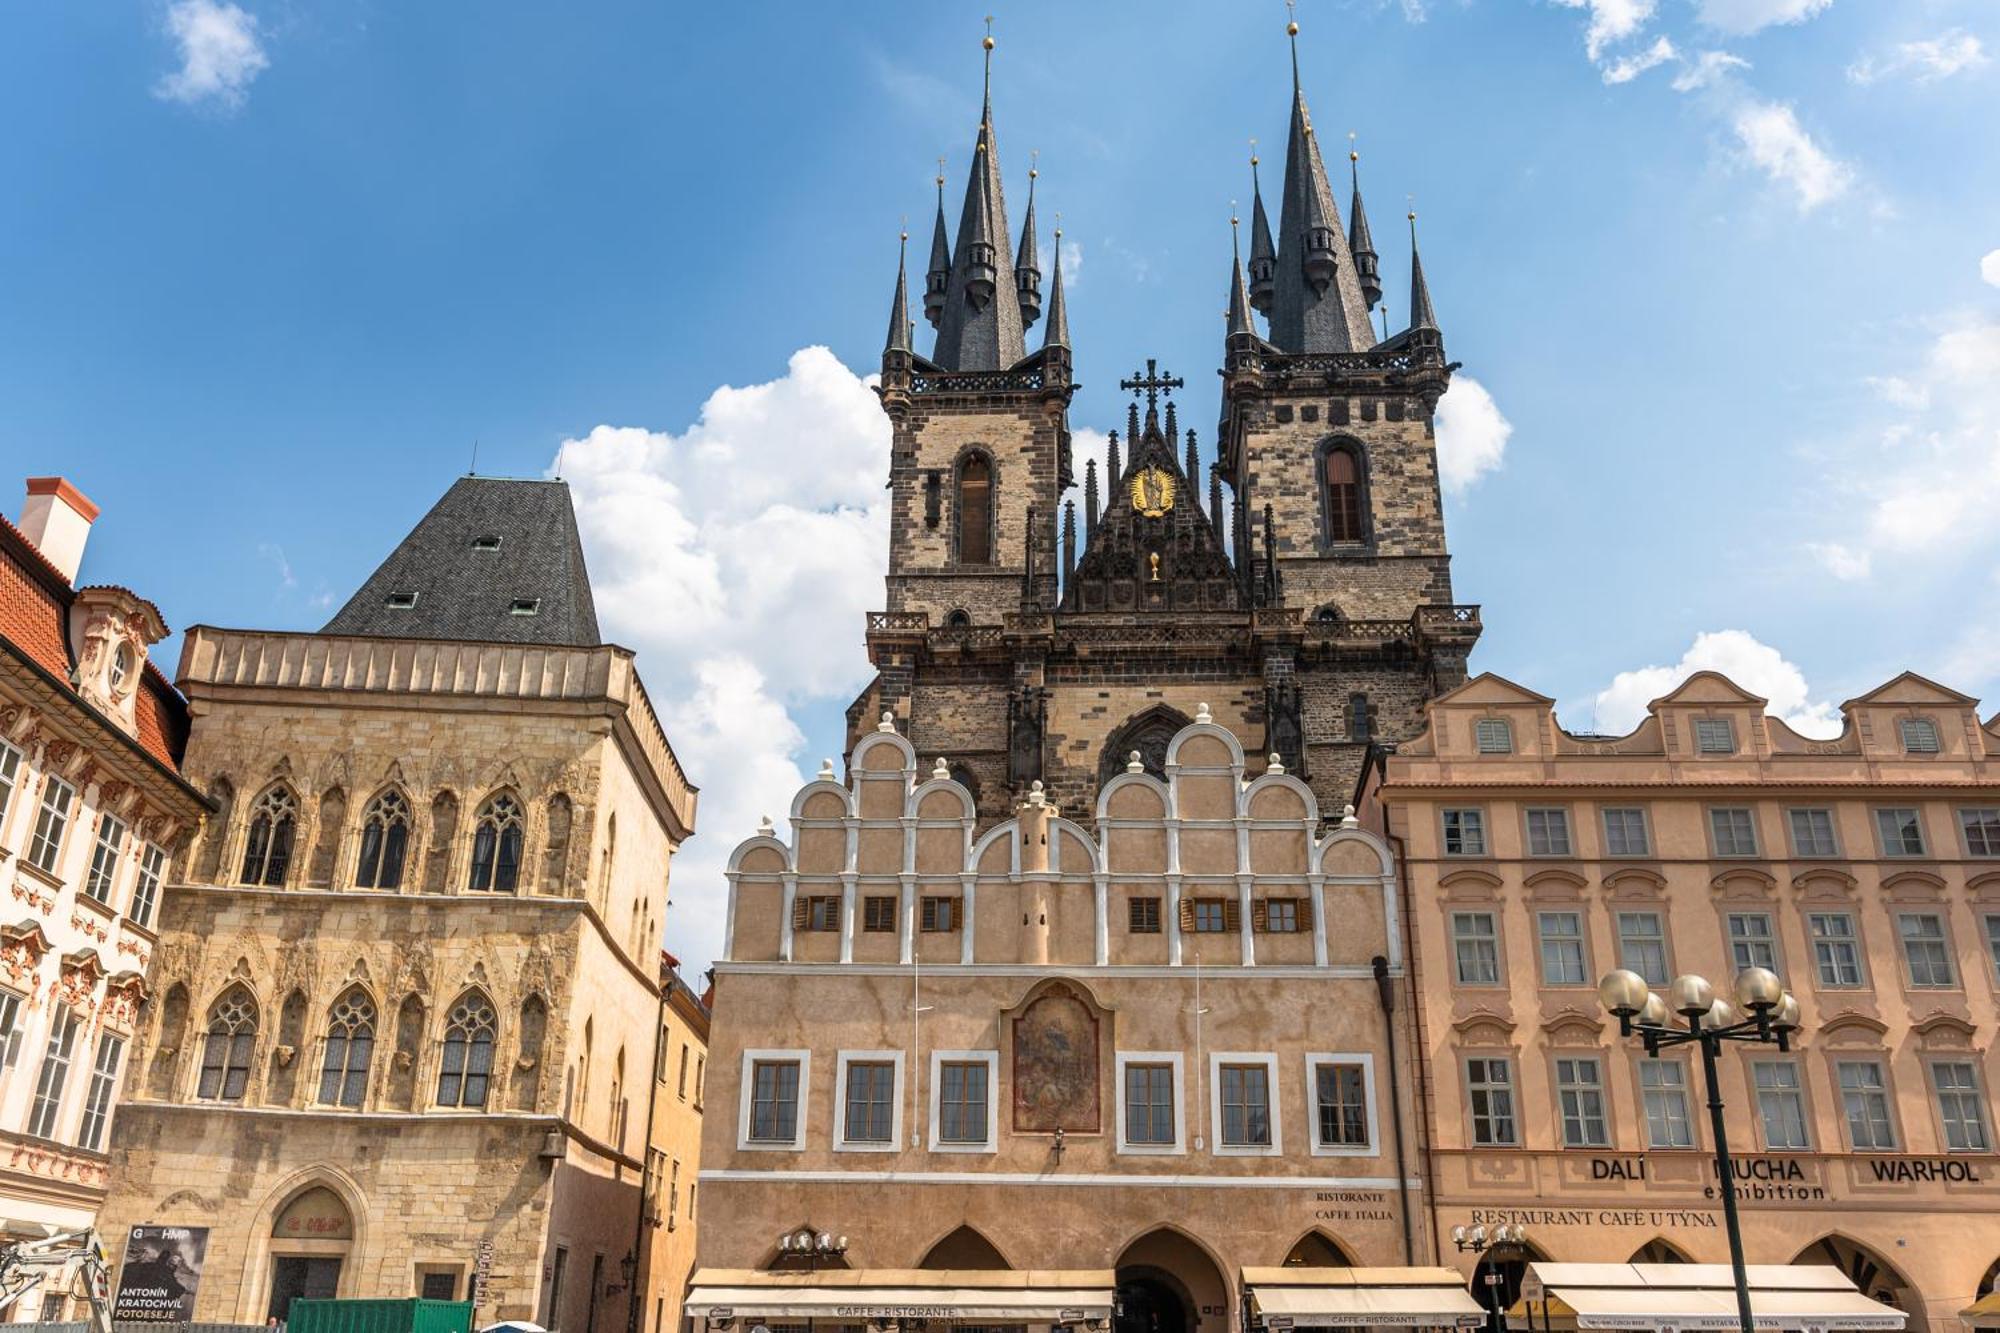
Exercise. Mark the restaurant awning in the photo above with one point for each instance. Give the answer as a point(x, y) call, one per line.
point(1361, 1297)
point(859, 1294)
point(1557, 1297)
point(1982, 1313)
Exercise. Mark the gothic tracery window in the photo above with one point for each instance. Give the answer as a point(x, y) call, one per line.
point(1343, 496)
point(975, 510)
point(385, 836)
point(267, 852)
point(466, 1066)
point(496, 846)
point(350, 1046)
point(226, 1050)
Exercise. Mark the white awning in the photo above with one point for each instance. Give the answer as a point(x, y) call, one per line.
point(1001, 1296)
point(1362, 1297)
point(1783, 1299)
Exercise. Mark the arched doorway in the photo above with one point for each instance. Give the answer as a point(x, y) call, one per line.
point(1168, 1284)
point(1658, 1250)
point(1315, 1250)
point(1877, 1277)
point(964, 1248)
point(1496, 1280)
point(310, 1240)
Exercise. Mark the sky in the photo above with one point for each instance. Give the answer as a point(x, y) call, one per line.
point(1724, 276)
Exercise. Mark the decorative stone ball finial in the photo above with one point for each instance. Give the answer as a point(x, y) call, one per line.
point(888, 722)
point(1202, 715)
point(765, 827)
point(826, 770)
point(1134, 764)
point(1277, 764)
point(1347, 819)
point(1036, 796)
point(941, 772)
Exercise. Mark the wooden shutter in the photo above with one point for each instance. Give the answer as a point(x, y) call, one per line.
point(800, 907)
point(1260, 916)
point(1187, 914)
point(1232, 915)
point(1306, 914)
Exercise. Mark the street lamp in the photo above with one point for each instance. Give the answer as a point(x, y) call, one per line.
point(1707, 1021)
point(1483, 1243)
point(814, 1247)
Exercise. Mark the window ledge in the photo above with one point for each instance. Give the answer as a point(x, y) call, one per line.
point(47, 877)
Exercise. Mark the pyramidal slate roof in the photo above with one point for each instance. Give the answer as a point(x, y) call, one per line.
point(496, 560)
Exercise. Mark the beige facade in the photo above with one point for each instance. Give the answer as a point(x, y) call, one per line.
point(308, 1084)
point(1157, 1048)
point(674, 1151)
point(1864, 869)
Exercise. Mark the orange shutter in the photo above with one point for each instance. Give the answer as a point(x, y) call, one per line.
point(1306, 913)
point(1260, 917)
point(1232, 915)
point(1187, 914)
point(800, 907)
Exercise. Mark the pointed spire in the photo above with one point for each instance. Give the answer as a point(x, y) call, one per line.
point(1421, 314)
point(899, 308)
point(1263, 255)
point(1113, 473)
point(980, 326)
point(1069, 543)
point(1089, 499)
point(1193, 469)
point(1057, 332)
point(1360, 244)
point(1028, 267)
point(1215, 498)
point(939, 276)
point(1239, 301)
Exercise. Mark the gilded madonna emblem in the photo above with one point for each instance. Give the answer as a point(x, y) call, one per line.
point(1153, 491)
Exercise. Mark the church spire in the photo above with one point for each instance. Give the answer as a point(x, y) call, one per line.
point(1057, 332)
point(1028, 267)
point(1317, 305)
point(980, 327)
point(1360, 244)
point(939, 276)
point(1263, 255)
point(1239, 300)
point(899, 308)
point(1421, 314)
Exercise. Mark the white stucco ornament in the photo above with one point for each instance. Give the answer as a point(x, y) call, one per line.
point(826, 770)
point(888, 722)
point(1347, 819)
point(1035, 795)
point(941, 772)
point(1202, 715)
point(765, 827)
point(1277, 764)
point(1135, 764)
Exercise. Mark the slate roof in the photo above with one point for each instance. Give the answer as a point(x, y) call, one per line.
point(466, 591)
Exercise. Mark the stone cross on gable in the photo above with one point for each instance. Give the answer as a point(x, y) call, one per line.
point(1151, 383)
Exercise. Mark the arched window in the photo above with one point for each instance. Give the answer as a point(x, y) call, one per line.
point(496, 846)
point(350, 1046)
point(958, 619)
point(231, 1040)
point(1358, 728)
point(1343, 495)
point(268, 851)
point(466, 1066)
point(385, 835)
point(975, 510)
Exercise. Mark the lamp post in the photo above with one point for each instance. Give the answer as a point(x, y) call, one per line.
point(815, 1248)
point(1707, 1022)
point(1483, 1243)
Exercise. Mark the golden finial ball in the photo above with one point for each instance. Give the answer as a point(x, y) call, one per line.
point(1291, 29)
point(986, 42)
point(1253, 159)
point(1353, 156)
point(1033, 173)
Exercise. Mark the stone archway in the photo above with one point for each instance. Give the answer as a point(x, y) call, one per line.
point(1877, 1277)
point(1169, 1284)
point(312, 1238)
point(1496, 1279)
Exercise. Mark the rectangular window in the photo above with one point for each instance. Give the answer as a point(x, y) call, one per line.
point(10, 1028)
point(1625, 832)
point(1494, 736)
point(1211, 915)
point(1465, 833)
point(1751, 943)
point(1341, 1105)
point(1993, 940)
point(878, 914)
point(1714, 735)
point(146, 890)
point(1735, 832)
point(1782, 1106)
point(1982, 830)
point(1149, 1105)
point(1281, 916)
point(45, 848)
point(1580, 1088)
point(940, 915)
point(1142, 916)
point(1836, 951)
point(1901, 831)
point(1926, 950)
point(1920, 735)
point(1642, 946)
point(1563, 962)
point(681, 1084)
point(1246, 1106)
point(1476, 945)
point(818, 912)
point(1812, 832)
point(10, 774)
point(1664, 1086)
point(104, 858)
point(871, 1102)
point(962, 1101)
point(1864, 1099)
point(1489, 1086)
point(55, 1073)
point(774, 1101)
point(103, 1082)
point(1548, 832)
point(1959, 1106)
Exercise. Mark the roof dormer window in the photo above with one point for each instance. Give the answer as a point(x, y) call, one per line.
point(1714, 735)
point(121, 668)
point(401, 601)
point(525, 606)
point(1494, 736)
point(1920, 736)
point(486, 543)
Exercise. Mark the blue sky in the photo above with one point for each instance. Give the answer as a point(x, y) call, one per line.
point(1732, 363)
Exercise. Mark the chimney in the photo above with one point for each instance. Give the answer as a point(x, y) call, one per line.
point(57, 519)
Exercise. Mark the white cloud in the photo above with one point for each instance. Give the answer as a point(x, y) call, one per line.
point(739, 558)
point(1756, 666)
point(1072, 262)
point(1843, 562)
point(1630, 67)
point(1776, 144)
point(1706, 69)
point(1924, 61)
point(1611, 21)
point(1742, 17)
point(1471, 434)
point(1989, 268)
point(219, 51)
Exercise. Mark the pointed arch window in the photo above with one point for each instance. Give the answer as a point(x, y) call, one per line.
point(385, 836)
point(267, 853)
point(350, 1047)
point(1343, 495)
point(226, 1050)
point(466, 1068)
point(496, 846)
point(975, 510)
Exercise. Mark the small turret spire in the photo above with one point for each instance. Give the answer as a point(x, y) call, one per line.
point(1239, 300)
point(899, 308)
point(1317, 304)
point(1089, 499)
point(1263, 254)
point(1028, 268)
point(1360, 244)
point(939, 276)
point(1057, 333)
point(979, 327)
point(1421, 314)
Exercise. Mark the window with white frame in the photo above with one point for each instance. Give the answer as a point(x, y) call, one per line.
point(1343, 1103)
point(1465, 832)
point(104, 858)
point(1714, 735)
point(1489, 1095)
point(1981, 826)
point(1961, 1107)
point(1149, 1095)
point(869, 1099)
point(1812, 832)
point(1663, 1088)
point(47, 1108)
point(1926, 950)
point(1580, 1092)
point(51, 821)
point(1245, 1116)
point(1548, 831)
point(10, 776)
point(774, 1088)
point(11, 1003)
point(1864, 1100)
point(1563, 960)
point(1733, 830)
point(1781, 1105)
point(1493, 736)
point(1993, 940)
point(1642, 946)
point(97, 1100)
point(964, 1115)
point(146, 888)
point(1900, 830)
point(1920, 736)
point(1836, 950)
point(1625, 832)
point(1751, 941)
point(1475, 943)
